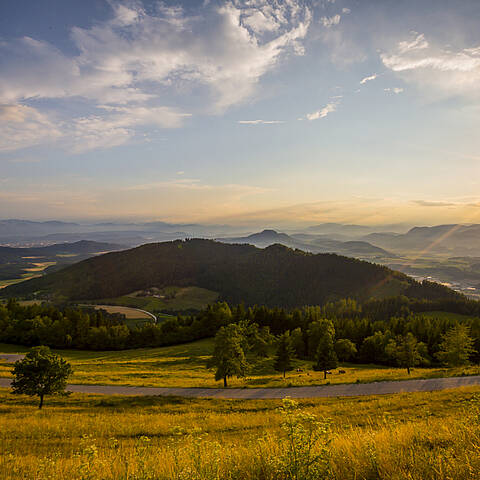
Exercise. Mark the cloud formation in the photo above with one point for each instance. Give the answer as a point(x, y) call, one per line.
point(368, 79)
point(260, 122)
point(440, 70)
point(138, 56)
point(322, 113)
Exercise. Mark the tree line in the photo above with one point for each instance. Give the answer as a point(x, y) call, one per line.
point(362, 332)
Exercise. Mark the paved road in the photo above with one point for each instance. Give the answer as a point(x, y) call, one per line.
point(345, 390)
point(11, 357)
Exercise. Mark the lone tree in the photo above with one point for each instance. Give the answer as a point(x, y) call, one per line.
point(228, 356)
point(326, 357)
point(40, 373)
point(456, 347)
point(407, 351)
point(284, 354)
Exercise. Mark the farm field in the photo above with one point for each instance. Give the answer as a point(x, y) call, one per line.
point(31, 272)
point(431, 435)
point(168, 298)
point(185, 366)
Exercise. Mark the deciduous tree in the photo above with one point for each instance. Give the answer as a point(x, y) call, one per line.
point(456, 347)
point(40, 373)
point(284, 354)
point(228, 356)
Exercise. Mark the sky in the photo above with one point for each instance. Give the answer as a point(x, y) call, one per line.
point(263, 112)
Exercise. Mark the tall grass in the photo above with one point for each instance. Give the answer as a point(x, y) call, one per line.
point(407, 436)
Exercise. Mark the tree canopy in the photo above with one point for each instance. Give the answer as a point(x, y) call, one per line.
point(40, 373)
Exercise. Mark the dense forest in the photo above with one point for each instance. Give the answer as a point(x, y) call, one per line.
point(369, 326)
point(276, 276)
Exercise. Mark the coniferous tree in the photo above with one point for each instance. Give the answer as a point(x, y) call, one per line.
point(284, 354)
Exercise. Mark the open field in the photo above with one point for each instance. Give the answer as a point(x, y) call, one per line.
point(29, 272)
point(168, 298)
point(417, 436)
point(185, 366)
point(130, 313)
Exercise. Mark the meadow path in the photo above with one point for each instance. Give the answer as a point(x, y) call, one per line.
point(343, 390)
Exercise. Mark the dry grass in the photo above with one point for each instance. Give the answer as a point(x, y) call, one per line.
point(406, 436)
point(185, 366)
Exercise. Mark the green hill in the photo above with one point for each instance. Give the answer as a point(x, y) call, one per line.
point(274, 276)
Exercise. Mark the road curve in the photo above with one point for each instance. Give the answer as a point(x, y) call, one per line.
point(342, 390)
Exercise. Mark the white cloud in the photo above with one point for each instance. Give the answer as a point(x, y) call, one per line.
point(330, 21)
point(346, 11)
point(136, 56)
point(95, 131)
point(23, 126)
point(418, 43)
point(395, 90)
point(368, 79)
point(259, 122)
point(437, 70)
point(322, 113)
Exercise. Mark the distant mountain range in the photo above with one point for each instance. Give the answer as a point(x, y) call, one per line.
point(455, 239)
point(274, 276)
point(310, 243)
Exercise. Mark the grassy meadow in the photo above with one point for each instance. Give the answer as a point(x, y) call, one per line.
point(418, 436)
point(168, 298)
point(185, 366)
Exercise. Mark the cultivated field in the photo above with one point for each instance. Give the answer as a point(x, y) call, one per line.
point(30, 272)
point(419, 436)
point(185, 366)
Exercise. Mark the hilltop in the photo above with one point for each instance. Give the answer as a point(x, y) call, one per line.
point(274, 276)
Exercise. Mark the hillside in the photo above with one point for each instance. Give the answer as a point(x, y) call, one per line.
point(274, 276)
point(16, 263)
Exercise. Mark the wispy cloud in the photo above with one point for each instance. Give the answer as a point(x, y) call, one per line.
point(329, 22)
point(368, 79)
point(395, 90)
point(426, 203)
point(438, 70)
point(326, 110)
point(260, 122)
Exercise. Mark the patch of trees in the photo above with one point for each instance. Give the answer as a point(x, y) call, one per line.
point(233, 349)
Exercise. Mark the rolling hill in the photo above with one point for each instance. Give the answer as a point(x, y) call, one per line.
point(274, 276)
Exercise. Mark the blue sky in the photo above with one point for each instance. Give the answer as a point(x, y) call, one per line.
point(249, 111)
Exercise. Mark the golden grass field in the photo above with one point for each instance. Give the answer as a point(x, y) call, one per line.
point(416, 436)
point(185, 366)
point(129, 312)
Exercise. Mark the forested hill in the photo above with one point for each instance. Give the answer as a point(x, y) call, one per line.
point(274, 276)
